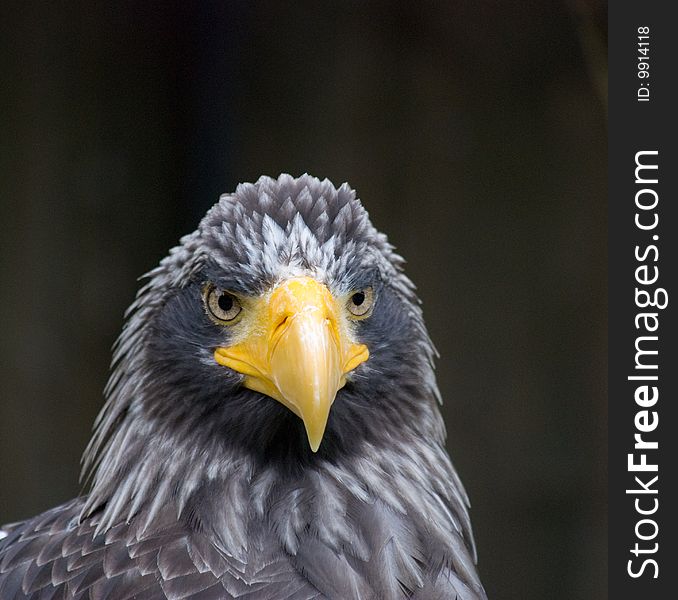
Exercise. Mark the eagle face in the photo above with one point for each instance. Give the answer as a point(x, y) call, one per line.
point(283, 324)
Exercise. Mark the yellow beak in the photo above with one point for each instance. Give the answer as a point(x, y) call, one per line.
point(297, 352)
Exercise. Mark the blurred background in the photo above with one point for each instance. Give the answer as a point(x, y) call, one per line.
point(475, 134)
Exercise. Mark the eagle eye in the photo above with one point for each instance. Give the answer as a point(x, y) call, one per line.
point(222, 307)
point(360, 303)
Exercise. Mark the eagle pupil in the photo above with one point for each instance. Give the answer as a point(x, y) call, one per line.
point(358, 298)
point(225, 302)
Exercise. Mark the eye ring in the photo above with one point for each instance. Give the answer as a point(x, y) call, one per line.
point(221, 306)
point(360, 303)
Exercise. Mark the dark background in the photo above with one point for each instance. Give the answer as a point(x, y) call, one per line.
point(474, 132)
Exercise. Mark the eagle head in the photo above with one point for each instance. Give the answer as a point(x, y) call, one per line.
point(283, 324)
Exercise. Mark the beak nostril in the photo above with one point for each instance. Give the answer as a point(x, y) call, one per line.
point(283, 323)
point(277, 333)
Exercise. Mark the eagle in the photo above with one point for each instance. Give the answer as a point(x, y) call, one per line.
point(271, 427)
